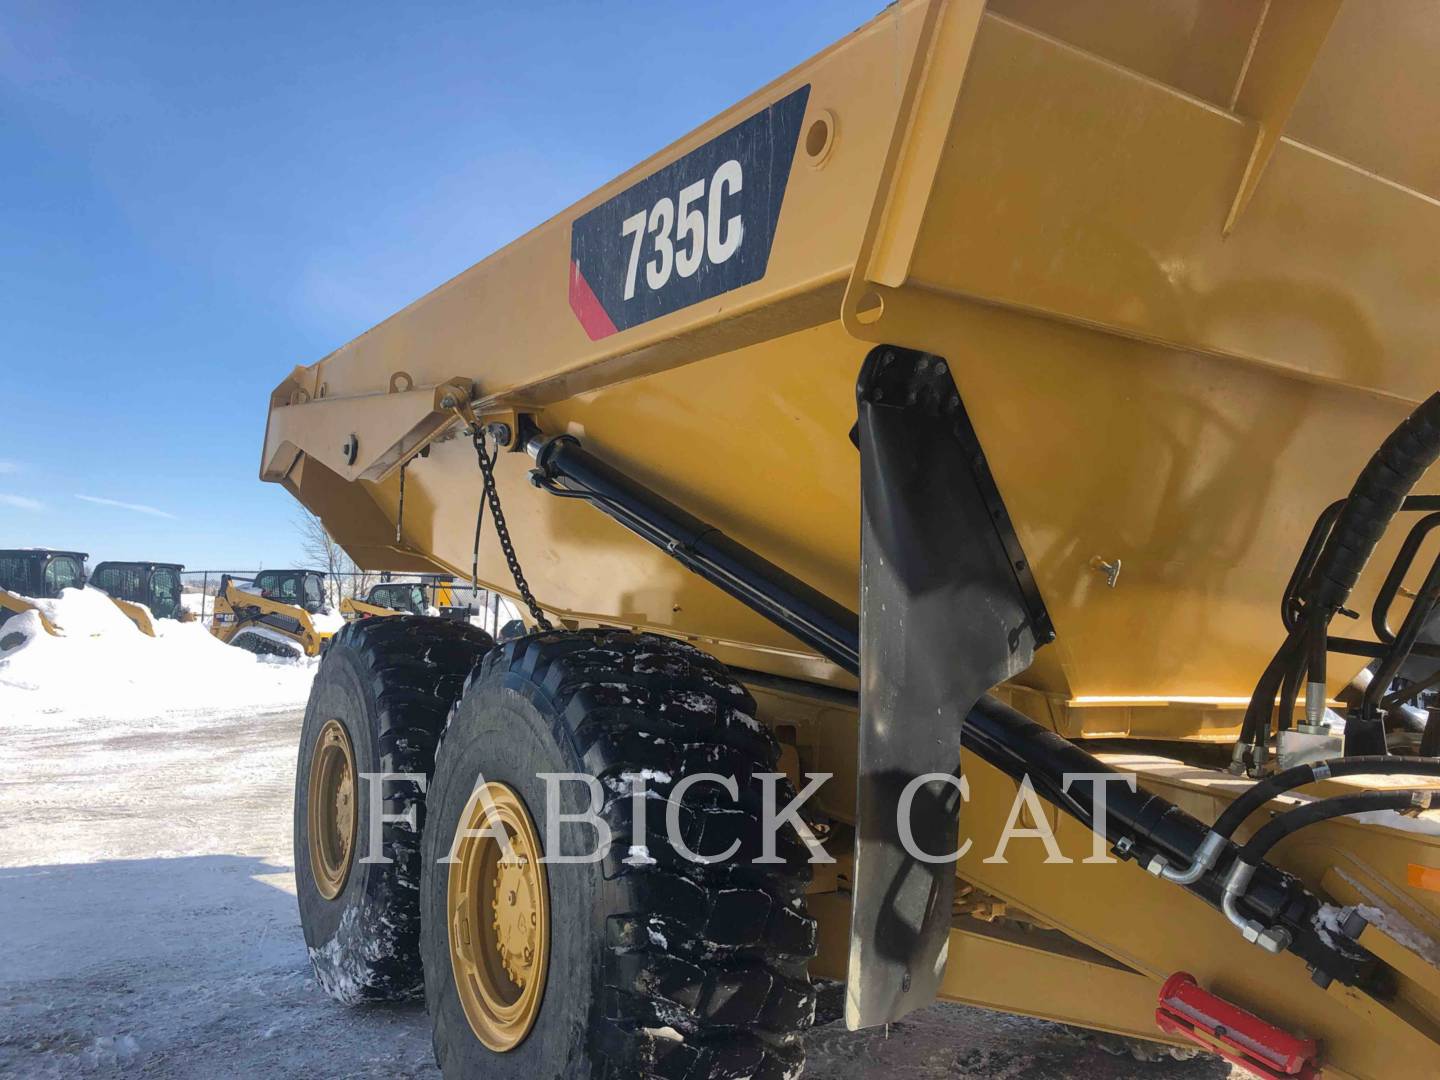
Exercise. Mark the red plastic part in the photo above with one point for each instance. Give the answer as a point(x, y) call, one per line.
point(1241, 1038)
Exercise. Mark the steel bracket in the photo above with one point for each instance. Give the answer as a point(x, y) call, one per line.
point(948, 609)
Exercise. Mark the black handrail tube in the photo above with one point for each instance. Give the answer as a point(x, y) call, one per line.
point(1404, 559)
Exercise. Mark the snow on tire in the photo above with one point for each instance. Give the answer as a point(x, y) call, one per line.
point(383, 691)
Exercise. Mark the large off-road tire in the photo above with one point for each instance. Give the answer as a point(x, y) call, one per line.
point(656, 966)
point(379, 702)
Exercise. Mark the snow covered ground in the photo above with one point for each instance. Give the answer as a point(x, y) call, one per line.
point(148, 924)
point(147, 913)
point(103, 665)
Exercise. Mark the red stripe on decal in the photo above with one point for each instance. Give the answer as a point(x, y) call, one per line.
point(586, 305)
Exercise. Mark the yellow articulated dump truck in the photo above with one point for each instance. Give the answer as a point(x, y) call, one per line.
point(970, 500)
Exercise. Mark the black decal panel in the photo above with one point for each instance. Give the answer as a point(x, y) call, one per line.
point(699, 227)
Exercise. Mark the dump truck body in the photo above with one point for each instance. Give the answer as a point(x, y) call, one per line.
point(1177, 267)
point(1147, 367)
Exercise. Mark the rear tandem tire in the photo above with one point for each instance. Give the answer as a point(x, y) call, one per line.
point(658, 967)
point(389, 683)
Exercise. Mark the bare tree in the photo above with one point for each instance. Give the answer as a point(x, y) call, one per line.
point(322, 552)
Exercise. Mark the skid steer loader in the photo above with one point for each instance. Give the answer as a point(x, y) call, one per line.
point(273, 614)
point(146, 591)
point(424, 597)
point(29, 574)
point(1014, 427)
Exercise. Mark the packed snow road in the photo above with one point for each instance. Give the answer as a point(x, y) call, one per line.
point(148, 927)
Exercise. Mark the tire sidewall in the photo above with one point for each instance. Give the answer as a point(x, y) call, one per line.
point(502, 735)
point(335, 927)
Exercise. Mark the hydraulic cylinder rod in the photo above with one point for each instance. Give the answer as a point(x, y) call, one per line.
point(567, 468)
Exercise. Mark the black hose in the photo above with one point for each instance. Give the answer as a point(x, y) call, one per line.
point(1262, 702)
point(1376, 497)
point(1297, 777)
point(1381, 487)
point(1323, 810)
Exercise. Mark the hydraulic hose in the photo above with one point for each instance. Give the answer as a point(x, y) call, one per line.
point(1381, 487)
point(1262, 702)
point(1313, 813)
point(1301, 775)
point(1374, 500)
point(1277, 938)
point(1208, 854)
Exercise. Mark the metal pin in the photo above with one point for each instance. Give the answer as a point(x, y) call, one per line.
point(1111, 570)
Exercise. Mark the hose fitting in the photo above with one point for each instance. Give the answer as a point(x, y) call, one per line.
point(1273, 939)
point(1206, 856)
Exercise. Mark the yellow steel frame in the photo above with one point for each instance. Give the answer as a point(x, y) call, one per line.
point(353, 608)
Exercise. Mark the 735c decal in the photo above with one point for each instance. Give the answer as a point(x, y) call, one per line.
point(699, 227)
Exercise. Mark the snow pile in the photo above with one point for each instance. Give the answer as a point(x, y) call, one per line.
point(103, 665)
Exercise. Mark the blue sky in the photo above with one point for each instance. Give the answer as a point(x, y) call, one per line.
point(196, 197)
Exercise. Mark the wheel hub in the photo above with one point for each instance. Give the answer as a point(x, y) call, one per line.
point(331, 809)
point(499, 917)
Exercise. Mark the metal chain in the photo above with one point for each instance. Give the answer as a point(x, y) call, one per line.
point(492, 496)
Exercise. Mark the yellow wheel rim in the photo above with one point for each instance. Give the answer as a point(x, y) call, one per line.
point(331, 809)
point(499, 918)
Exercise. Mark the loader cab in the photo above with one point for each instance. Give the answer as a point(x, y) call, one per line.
point(156, 585)
point(41, 573)
point(301, 588)
point(399, 596)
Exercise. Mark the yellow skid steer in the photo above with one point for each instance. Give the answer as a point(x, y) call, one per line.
point(145, 591)
point(28, 574)
point(272, 614)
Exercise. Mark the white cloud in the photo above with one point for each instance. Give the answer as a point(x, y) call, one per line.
point(20, 502)
point(138, 508)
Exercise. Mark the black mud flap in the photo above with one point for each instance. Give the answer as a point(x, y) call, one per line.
point(948, 609)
